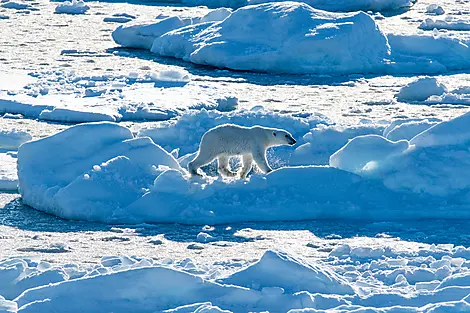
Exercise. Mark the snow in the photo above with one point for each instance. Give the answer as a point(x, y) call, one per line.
point(74, 7)
point(299, 39)
point(421, 89)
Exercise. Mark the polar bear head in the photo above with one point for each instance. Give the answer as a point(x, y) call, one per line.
point(280, 137)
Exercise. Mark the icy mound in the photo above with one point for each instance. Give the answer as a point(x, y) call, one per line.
point(278, 269)
point(89, 171)
point(285, 37)
point(408, 128)
point(323, 140)
point(432, 162)
point(74, 7)
point(420, 90)
point(143, 35)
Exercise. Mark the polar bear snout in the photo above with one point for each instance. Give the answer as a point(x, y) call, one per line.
point(290, 140)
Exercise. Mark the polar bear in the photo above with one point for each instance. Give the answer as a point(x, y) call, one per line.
point(228, 140)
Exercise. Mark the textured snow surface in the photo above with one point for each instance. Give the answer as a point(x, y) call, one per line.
point(351, 278)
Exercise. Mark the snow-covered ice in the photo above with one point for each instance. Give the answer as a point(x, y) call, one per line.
point(367, 213)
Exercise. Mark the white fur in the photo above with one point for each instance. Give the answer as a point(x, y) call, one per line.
point(228, 140)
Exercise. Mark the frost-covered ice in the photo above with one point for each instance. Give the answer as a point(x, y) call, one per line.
point(72, 7)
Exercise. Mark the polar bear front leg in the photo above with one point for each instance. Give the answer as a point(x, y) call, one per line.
point(224, 167)
point(247, 165)
point(260, 158)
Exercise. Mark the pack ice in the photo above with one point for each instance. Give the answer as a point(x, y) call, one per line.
point(100, 172)
point(293, 37)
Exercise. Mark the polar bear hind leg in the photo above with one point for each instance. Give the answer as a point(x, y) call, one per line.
point(202, 158)
point(247, 165)
point(224, 167)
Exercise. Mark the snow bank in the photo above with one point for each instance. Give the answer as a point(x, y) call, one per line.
point(432, 162)
point(420, 90)
point(285, 37)
point(74, 7)
point(101, 160)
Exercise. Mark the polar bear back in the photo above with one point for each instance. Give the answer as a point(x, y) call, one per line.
point(235, 140)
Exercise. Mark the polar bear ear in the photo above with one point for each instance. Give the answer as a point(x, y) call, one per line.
point(274, 134)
